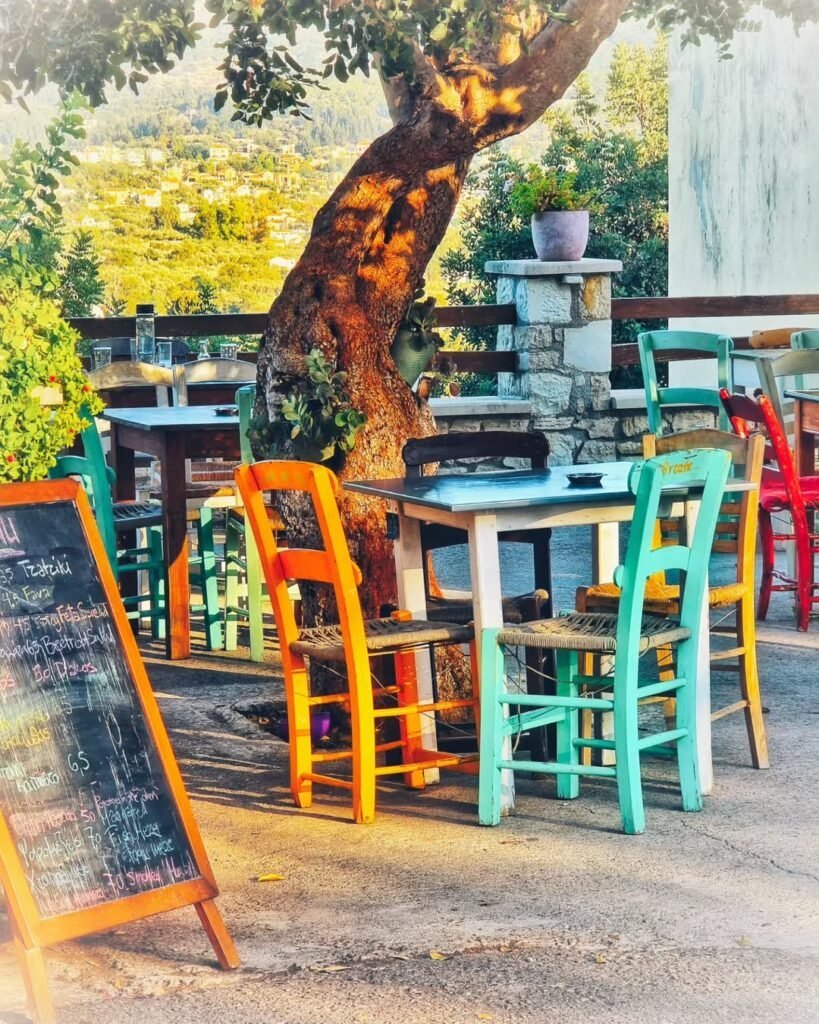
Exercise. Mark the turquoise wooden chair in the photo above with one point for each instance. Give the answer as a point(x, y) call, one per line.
point(243, 569)
point(626, 635)
point(801, 340)
point(717, 346)
point(116, 518)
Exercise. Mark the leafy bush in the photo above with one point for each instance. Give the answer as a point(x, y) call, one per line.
point(316, 421)
point(542, 190)
point(43, 389)
point(38, 360)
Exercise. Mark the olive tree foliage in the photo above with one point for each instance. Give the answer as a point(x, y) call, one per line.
point(90, 45)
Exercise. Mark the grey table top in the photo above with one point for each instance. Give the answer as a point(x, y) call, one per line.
point(476, 492)
point(471, 492)
point(173, 418)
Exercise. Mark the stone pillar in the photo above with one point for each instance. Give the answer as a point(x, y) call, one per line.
point(563, 338)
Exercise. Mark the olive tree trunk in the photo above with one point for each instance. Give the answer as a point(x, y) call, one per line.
point(373, 239)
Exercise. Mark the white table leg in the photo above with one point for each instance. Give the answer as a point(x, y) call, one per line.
point(484, 563)
point(703, 682)
point(605, 559)
point(409, 569)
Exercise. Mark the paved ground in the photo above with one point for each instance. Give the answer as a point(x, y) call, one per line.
point(425, 918)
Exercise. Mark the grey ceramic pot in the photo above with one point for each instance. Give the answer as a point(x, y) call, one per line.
point(560, 234)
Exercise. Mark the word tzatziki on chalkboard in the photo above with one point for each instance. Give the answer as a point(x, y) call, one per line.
point(82, 788)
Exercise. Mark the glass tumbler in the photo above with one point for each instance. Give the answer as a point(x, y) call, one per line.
point(101, 356)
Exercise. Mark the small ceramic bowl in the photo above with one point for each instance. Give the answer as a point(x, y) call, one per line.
point(584, 479)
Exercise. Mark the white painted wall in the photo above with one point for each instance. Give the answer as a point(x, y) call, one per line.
point(744, 170)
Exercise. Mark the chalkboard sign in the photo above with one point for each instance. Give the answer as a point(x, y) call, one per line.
point(95, 826)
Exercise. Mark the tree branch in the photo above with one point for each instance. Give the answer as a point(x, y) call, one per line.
point(555, 57)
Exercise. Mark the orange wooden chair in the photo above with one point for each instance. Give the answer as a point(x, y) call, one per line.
point(353, 642)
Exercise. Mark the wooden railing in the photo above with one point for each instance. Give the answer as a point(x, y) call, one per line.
point(640, 308)
point(662, 308)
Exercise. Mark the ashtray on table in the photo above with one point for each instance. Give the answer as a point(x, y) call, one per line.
point(585, 479)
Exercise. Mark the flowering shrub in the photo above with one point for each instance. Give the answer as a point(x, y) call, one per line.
point(39, 366)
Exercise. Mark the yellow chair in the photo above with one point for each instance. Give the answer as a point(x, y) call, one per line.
point(736, 533)
point(350, 644)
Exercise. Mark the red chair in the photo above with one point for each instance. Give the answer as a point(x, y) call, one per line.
point(783, 490)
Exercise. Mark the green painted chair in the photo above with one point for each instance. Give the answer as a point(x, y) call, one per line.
point(243, 569)
point(801, 340)
point(627, 635)
point(125, 517)
point(653, 343)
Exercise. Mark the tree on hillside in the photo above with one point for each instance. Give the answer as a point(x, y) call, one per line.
point(81, 287)
point(458, 77)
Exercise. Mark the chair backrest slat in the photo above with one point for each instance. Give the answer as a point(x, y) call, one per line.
point(530, 445)
point(206, 371)
point(115, 376)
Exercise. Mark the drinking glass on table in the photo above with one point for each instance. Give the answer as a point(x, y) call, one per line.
point(228, 350)
point(164, 353)
point(101, 356)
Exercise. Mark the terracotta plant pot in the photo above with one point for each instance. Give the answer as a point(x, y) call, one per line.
point(560, 234)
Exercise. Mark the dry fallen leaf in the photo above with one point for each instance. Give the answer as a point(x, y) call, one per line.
point(435, 955)
point(744, 941)
point(329, 968)
point(270, 878)
point(485, 1016)
point(600, 959)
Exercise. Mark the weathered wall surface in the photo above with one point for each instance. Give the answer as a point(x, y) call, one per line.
point(744, 169)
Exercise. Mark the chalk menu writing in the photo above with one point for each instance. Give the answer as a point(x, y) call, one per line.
point(82, 789)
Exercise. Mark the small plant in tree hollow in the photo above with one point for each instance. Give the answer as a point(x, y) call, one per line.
point(559, 212)
point(316, 421)
point(416, 341)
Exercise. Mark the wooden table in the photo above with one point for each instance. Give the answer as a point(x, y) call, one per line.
point(485, 504)
point(805, 429)
point(172, 435)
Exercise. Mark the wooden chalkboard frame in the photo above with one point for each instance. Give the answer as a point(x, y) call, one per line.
point(30, 930)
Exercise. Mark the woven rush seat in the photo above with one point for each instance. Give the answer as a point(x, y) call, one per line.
point(460, 609)
point(664, 597)
point(590, 631)
point(383, 635)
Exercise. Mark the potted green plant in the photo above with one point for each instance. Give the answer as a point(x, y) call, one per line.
point(557, 210)
point(44, 393)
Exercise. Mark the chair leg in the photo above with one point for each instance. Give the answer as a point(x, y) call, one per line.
point(627, 754)
point(687, 719)
point(297, 689)
point(768, 558)
point(568, 785)
point(491, 734)
point(363, 729)
point(231, 584)
point(666, 671)
point(210, 585)
point(804, 569)
point(254, 596)
point(749, 682)
point(156, 583)
point(410, 724)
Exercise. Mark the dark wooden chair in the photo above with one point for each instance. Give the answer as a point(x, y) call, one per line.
point(531, 447)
